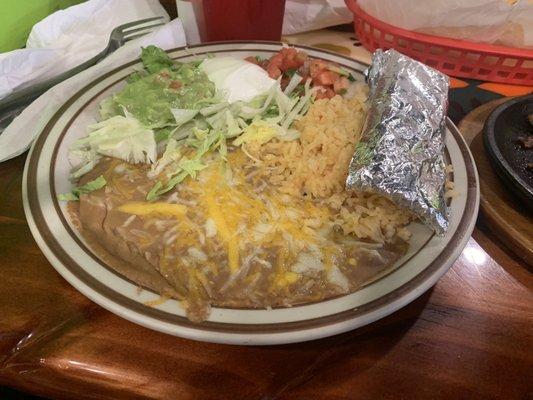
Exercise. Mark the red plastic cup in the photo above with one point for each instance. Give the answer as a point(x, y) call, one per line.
point(241, 19)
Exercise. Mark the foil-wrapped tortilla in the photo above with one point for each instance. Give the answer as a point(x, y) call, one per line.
point(401, 152)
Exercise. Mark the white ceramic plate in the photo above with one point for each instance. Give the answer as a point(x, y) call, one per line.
point(46, 175)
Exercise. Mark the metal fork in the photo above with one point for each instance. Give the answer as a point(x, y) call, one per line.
point(13, 104)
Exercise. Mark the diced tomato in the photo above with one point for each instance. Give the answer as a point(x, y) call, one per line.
point(276, 60)
point(316, 67)
point(274, 66)
point(290, 63)
point(285, 51)
point(325, 93)
point(273, 71)
point(301, 56)
point(290, 59)
point(252, 59)
point(287, 59)
point(288, 52)
point(175, 85)
point(326, 78)
point(330, 93)
point(341, 84)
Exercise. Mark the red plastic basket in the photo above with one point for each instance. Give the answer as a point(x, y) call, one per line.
point(453, 57)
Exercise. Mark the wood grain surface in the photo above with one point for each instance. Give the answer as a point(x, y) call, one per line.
point(506, 216)
point(470, 337)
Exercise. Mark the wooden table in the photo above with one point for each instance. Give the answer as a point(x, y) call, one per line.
point(470, 337)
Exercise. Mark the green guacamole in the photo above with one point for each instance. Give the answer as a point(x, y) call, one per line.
point(150, 96)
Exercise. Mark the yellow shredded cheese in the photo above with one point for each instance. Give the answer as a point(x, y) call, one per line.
point(145, 208)
point(223, 230)
point(161, 300)
point(225, 234)
point(286, 278)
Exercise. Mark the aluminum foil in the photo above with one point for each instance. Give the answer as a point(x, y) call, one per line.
point(401, 152)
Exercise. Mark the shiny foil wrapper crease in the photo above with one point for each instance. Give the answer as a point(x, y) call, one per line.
point(401, 152)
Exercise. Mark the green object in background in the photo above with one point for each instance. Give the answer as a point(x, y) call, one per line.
point(17, 17)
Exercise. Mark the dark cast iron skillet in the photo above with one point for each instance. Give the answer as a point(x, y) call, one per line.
point(500, 134)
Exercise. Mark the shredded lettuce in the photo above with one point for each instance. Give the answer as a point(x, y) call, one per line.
point(242, 123)
point(248, 111)
point(184, 169)
point(84, 161)
point(222, 147)
point(216, 121)
point(204, 141)
point(184, 131)
point(89, 187)
point(298, 108)
point(171, 154)
point(120, 137)
point(258, 131)
point(191, 167)
point(182, 115)
point(232, 126)
point(295, 81)
point(213, 109)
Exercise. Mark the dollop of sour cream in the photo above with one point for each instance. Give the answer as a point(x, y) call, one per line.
point(236, 79)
